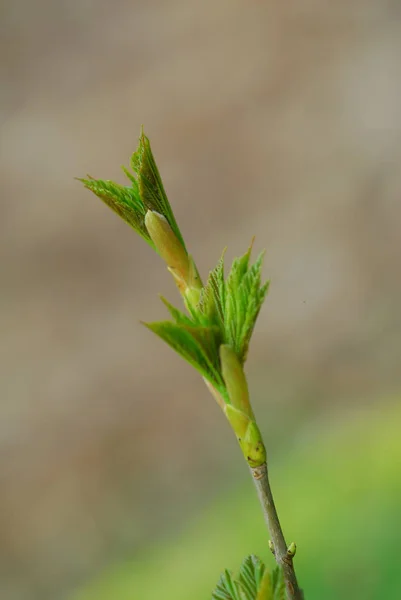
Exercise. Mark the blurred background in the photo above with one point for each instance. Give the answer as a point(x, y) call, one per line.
point(120, 479)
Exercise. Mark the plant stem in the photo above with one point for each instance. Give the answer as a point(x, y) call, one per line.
point(280, 549)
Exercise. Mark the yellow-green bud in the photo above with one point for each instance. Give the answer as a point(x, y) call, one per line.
point(235, 380)
point(179, 262)
point(169, 247)
point(253, 447)
point(248, 436)
point(239, 411)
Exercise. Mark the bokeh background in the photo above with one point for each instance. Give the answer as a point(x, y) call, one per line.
point(120, 479)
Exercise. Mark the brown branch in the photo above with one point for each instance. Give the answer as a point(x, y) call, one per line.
point(282, 553)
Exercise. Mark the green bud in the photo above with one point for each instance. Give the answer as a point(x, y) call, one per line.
point(248, 436)
point(179, 263)
point(238, 421)
point(253, 447)
point(235, 380)
point(239, 411)
point(271, 547)
point(169, 247)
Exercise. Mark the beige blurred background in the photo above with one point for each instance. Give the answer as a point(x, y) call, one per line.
point(275, 119)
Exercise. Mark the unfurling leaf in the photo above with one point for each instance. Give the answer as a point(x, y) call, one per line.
point(124, 201)
point(197, 345)
point(254, 582)
point(251, 574)
point(234, 304)
point(228, 589)
point(212, 298)
point(146, 192)
point(244, 296)
point(151, 189)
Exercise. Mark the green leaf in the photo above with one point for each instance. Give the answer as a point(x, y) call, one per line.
point(226, 312)
point(278, 584)
point(234, 304)
point(151, 189)
point(131, 178)
point(271, 586)
point(123, 200)
point(179, 317)
point(244, 296)
point(145, 193)
point(228, 589)
point(213, 294)
point(251, 575)
point(254, 582)
point(265, 590)
point(197, 345)
point(251, 295)
point(195, 318)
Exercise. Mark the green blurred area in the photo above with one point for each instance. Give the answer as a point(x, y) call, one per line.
point(339, 495)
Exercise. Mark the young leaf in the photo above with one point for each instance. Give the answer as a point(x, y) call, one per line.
point(151, 189)
point(146, 193)
point(179, 317)
point(213, 294)
point(251, 296)
point(229, 589)
point(124, 201)
point(251, 575)
point(265, 590)
point(278, 584)
point(244, 297)
point(272, 586)
point(197, 345)
point(254, 582)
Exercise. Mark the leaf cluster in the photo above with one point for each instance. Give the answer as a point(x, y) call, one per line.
point(145, 192)
point(254, 582)
point(234, 304)
point(225, 314)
